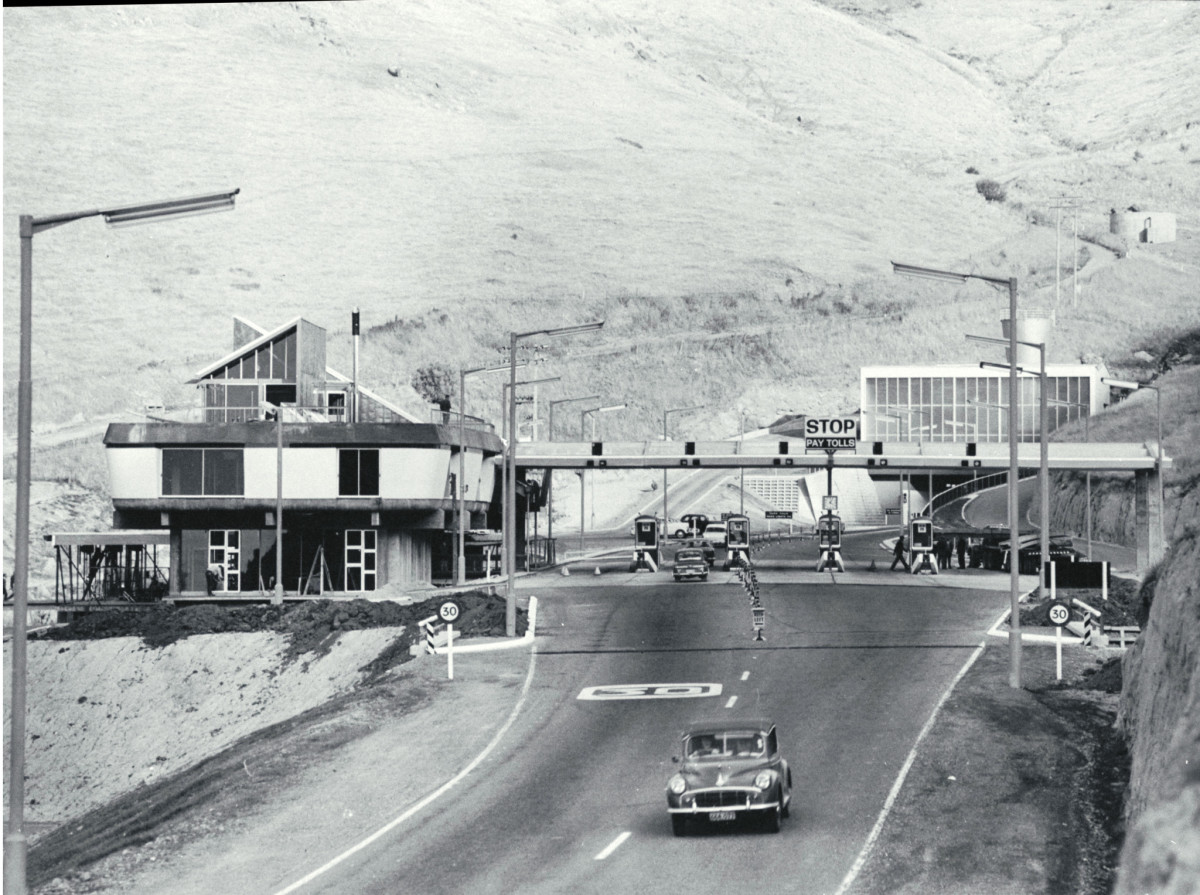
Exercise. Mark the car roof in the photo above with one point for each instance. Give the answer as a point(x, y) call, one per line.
point(689, 552)
point(721, 725)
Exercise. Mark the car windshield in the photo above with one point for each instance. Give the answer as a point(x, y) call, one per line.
point(727, 744)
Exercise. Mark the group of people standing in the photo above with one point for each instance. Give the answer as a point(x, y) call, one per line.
point(944, 549)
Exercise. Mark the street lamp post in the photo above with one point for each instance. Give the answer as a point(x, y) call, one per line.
point(550, 472)
point(925, 413)
point(460, 571)
point(666, 413)
point(903, 490)
point(1014, 638)
point(742, 469)
point(510, 484)
point(15, 843)
point(1043, 443)
point(582, 415)
point(509, 398)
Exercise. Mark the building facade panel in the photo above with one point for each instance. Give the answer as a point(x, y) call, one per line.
point(134, 473)
point(415, 474)
point(959, 402)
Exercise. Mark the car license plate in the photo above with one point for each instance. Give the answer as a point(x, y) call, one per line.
point(722, 815)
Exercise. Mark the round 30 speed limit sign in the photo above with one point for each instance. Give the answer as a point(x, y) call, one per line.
point(1059, 614)
point(449, 612)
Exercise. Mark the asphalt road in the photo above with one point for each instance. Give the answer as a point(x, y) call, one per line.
point(572, 799)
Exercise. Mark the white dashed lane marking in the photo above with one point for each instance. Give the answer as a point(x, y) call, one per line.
point(745, 675)
point(732, 700)
point(613, 846)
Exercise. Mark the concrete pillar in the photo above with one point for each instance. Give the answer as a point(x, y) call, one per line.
point(175, 573)
point(1149, 518)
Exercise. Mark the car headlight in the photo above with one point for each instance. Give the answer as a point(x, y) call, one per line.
point(677, 784)
point(764, 779)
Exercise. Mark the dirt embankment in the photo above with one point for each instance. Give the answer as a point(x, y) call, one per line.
point(123, 699)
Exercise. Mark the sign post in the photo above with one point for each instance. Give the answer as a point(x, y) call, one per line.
point(830, 436)
point(1059, 614)
point(449, 612)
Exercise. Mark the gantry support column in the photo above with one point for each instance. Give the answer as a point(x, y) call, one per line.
point(1149, 520)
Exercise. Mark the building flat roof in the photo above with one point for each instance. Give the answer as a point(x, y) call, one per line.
point(324, 434)
point(118, 538)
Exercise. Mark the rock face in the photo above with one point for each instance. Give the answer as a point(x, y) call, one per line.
point(1160, 703)
point(1160, 715)
point(1112, 506)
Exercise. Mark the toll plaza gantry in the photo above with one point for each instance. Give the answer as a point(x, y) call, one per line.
point(881, 457)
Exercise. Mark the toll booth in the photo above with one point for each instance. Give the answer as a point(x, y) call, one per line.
point(737, 540)
point(829, 541)
point(920, 545)
point(646, 552)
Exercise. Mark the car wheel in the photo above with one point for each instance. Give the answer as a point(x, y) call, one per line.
point(703, 577)
point(774, 819)
point(679, 824)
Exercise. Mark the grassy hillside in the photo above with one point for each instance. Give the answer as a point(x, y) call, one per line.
point(725, 186)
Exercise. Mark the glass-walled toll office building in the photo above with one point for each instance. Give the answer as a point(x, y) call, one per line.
point(964, 402)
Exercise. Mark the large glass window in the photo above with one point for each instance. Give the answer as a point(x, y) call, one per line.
point(358, 472)
point(198, 472)
point(229, 403)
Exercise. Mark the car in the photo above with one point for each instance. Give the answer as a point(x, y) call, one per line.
point(690, 563)
point(692, 525)
point(716, 533)
point(729, 769)
point(710, 553)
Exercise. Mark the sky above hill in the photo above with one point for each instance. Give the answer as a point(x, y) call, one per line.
point(398, 156)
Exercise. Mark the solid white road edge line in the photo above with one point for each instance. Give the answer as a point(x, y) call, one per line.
point(613, 846)
point(441, 790)
point(895, 791)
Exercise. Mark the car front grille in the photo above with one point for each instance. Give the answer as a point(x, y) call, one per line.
point(722, 798)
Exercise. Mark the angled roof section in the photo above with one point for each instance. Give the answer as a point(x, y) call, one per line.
point(242, 324)
point(248, 348)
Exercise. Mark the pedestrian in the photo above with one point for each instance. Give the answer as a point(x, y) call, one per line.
point(214, 575)
point(898, 554)
point(961, 543)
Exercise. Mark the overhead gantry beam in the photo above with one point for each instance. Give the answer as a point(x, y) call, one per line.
point(877, 456)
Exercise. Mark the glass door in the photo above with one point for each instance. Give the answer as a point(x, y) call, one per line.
point(224, 549)
point(360, 559)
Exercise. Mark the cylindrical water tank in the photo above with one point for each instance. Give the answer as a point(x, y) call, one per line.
point(1032, 326)
point(1142, 226)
